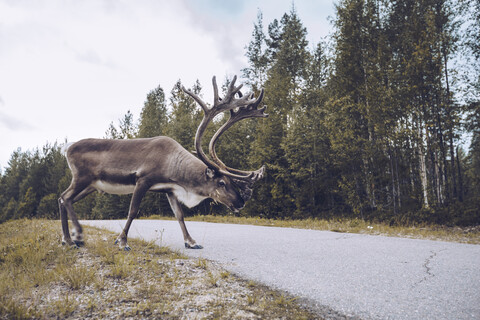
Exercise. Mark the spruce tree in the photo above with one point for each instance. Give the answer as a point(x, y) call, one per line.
point(288, 56)
point(153, 118)
point(349, 112)
point(255, 73)
point(185, 115)
point(306, 144)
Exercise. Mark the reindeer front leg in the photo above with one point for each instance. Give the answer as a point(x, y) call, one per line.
point(138, 194)
point(178, 211)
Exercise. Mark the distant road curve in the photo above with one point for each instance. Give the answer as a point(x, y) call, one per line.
point(343, 275)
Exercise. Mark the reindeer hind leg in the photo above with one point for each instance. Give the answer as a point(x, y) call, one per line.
point(66, 239)
point(74, 193)
point(77, 234)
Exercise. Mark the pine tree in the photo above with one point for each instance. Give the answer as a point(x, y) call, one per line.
point(288, 56)
point(256, 73)
point(15, 174)
point(48, 206)
point(27, 205)
point(153, 118)
point(351, 127)
point(185, 116)
point(9, 209)
point(306, 144)
point(126, 128)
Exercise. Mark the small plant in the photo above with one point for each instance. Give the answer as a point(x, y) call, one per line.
point(160, 251)
point(76, 277)
point(122, 267)
point(212, 279)
point(147, 289)
point(201, 264)
point(251, 299)
point(99, 282)
point(283, 301)
point(65, 307)
point(106, 252)
point(15, 310)
point(91, 305)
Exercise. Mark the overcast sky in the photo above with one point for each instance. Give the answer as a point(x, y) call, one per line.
point(68, 68)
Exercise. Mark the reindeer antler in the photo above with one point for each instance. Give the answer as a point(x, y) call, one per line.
point(244, 112)
point(240, 108)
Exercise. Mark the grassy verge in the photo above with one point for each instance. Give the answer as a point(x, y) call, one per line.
point(442, 233)
point(43, 280)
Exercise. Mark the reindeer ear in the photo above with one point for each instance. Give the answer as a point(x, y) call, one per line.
point(209, 173)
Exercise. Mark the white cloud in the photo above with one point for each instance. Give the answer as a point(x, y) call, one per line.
point(14, 124)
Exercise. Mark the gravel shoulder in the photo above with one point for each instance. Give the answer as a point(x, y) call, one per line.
point(370, 277)
point(41, 279)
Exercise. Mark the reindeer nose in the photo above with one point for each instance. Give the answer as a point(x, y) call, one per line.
point(237, 209)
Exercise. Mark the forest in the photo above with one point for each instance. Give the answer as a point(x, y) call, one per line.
point(380, 121)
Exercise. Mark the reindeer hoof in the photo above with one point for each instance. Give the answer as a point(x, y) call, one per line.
point(196, 246)
point(125, 248)
point(79, 243)
point(71, 244)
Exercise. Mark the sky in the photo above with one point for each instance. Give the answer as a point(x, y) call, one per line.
point(69, 68)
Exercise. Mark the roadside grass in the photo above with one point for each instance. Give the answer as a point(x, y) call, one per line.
point(41, 279)
point(431, 232)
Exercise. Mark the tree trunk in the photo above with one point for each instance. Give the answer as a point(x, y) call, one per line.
point(392, 174)
point(399, 194)
point(460, 182)
point(449, 118)
point(443, 164)
point(438, 178)
point(422, 165)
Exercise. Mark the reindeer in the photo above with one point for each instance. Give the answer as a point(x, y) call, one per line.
point(160, 164)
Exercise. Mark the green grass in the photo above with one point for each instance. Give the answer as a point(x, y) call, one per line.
point(41, 279)
point(431, 232)
point(75, 277)
point(30, 257)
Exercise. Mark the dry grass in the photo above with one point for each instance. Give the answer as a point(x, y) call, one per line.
point(43, 280)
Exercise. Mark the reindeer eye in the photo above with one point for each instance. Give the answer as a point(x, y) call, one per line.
point(221, 183)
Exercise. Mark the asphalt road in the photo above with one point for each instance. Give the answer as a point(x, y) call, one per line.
point(359, 276)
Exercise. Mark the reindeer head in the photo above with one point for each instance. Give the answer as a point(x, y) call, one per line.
point(234, 186)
